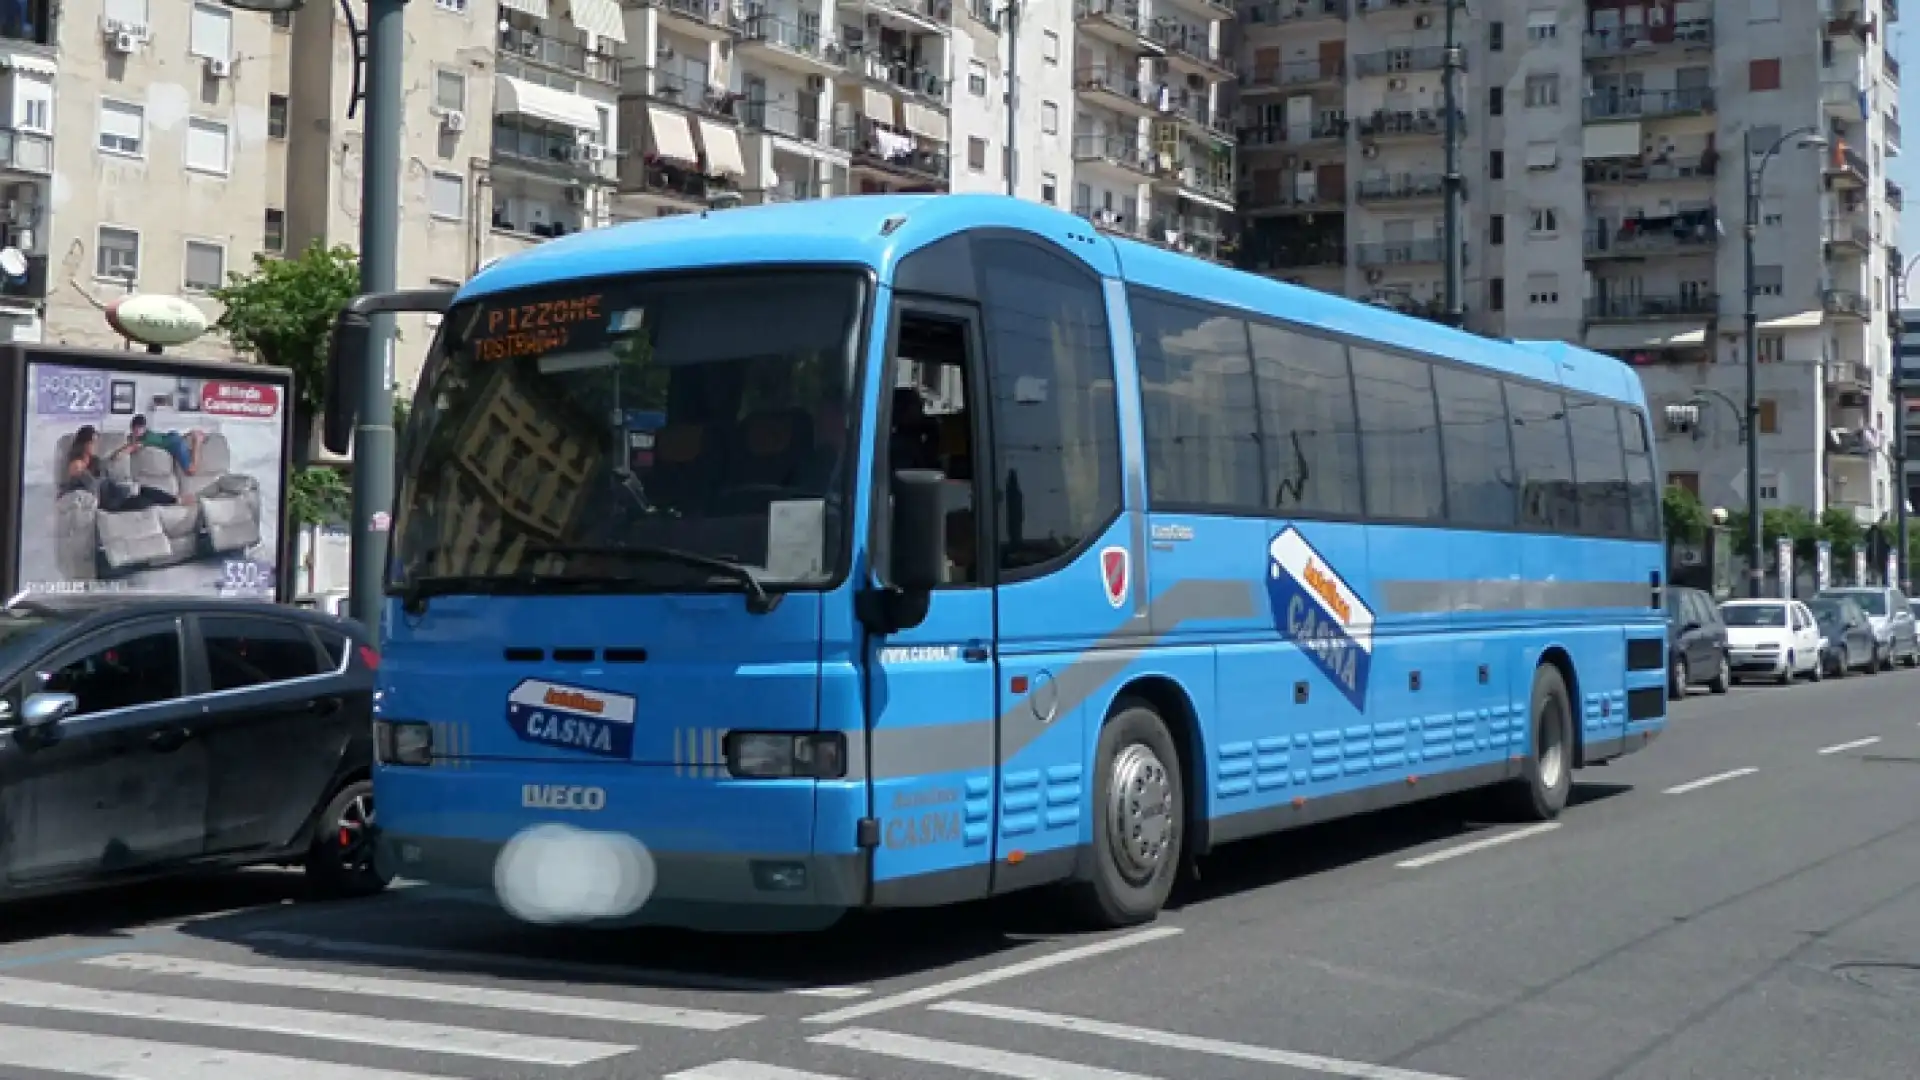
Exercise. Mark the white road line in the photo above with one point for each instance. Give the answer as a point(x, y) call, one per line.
point(1355, 1070)
point(1709, 781)
point(621, 1012)
point(482, 961)
point(966, 1056)
point(305, 1023)
point(1478, 845)
point(108, 1057)
point(993, 975)
point(735, 1069)
point(1854, 745)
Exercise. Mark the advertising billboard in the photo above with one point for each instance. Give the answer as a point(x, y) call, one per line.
point(149, 475)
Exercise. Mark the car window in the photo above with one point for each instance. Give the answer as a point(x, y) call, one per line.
point(1872, 601)
point(335, 644)
point(131, 671)
point(1754, 614)
point(1702, 610)
point(244, 652)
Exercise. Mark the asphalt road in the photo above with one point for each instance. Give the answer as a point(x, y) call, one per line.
point(1739, 901)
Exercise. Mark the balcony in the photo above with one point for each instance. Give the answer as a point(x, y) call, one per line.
point(1403, 61)
point(1849, 234)
point(31, 287)
point(1643, 238)
point(546, 152)
point(1891, 127)
point(770, 119)
point(1846, 303)
point(1206, 9)
point(1366, 8)
point(527, 47)
point(1296, 249)
point(796, 49)
point(26, 152)
point(1422, 123)
point(1116, 22)
point(894, 154)
point(1896, 196)
point(1194, 111)
point(1890, 68)
point(1666, 169)
point(1401, 187)
point(924, 83)
point(679, 90)
point(1846, 19)
point(1848, 375)
point(526, 225)
point(1285, 13)
point(1692, 35)
point(1113, 88)
point(707, 20)
point(1191, 47)
point(1112, 222)
point(1326, 131)
point(1845, 168)
point(1307, 199)
point(913, 16)
point(1298, 75)
point(661, 182)
point(1399, 253)
point(1120, 151)
point(1652, 308)
point(1605, 105)
point(1842, 98)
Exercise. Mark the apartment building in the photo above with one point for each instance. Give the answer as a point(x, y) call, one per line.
point(1604, 150)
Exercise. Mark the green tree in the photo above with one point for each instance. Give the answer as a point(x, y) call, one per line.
point(1685, 517)
point(1842, 530)
point(317, 495)
point(282, 312)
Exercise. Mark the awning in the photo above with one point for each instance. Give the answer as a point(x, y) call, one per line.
point(32, 65)
point(1543, 155)
point(723, 149)
point(1620, 337)
point(535, 8)
point(1806, 320)
point(511, 97)
point(1611, 141)
point(877, 105)
point(600, 18)
point(672, 135)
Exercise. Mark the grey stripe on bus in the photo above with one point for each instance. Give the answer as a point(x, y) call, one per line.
point(1508, 594)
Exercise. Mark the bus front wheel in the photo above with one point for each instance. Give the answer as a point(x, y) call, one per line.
point(1540, 793)
point(1140, 805)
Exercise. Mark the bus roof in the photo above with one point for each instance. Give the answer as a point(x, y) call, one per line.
point(878, 230)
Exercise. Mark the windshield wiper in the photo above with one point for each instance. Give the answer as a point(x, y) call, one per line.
point(759, 601)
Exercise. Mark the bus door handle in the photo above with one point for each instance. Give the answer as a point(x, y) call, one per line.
point(974, 654)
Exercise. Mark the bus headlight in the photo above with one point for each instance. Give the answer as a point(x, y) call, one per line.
point(772, 755)
point(402, 742)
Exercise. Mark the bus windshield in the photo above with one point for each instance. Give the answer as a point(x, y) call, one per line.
point(640, 434)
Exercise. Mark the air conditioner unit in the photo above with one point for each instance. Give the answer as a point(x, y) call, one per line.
point(576, 196)
point(453, 121)
point(218, 68)
point(1396, 84)
point(122, 41)
point(593, 152)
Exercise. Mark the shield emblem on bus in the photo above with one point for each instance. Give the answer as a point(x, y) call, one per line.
point(1113, 574)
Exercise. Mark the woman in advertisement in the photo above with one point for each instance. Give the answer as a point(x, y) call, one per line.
point(86, 472)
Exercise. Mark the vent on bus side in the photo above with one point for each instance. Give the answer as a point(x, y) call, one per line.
point(617, 655)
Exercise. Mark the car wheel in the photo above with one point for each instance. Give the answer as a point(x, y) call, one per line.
point(1541, 792)
point(1785, 678)
point(1677, 682)
point(1722, 680)
point(1140, 832)
point(340, 862)
point(1819, 669)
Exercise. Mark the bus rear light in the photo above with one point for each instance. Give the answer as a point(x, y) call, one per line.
point(402, 742)
point(771, 755)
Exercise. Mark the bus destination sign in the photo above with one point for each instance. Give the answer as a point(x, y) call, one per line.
point(513, 331)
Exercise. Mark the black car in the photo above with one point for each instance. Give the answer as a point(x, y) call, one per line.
point(1696, 643)
point(146, 736)
point(1849, 635)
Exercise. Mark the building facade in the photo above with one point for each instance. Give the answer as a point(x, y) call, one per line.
point(1606, 151)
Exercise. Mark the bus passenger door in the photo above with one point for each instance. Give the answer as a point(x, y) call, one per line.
point(931, 742)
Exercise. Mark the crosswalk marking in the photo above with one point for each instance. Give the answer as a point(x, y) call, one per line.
point(967, 1056)
point(445, 993)
point(1353, 1070)
point(109, 1057)
point(305, 1023)
point(736, 1069)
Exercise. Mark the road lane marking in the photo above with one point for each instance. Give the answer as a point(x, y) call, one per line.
point(109, 1057)
point(966, 1056)
point(305, 1023)
point(1478, 845)
point(736, 1069)
point(620, 1012)
point(993, 975)
point(1854, 745)
point(1709, 781)
point(1355, 1070)
point(482, 961)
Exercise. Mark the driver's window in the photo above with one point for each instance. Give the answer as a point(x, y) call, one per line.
point(130, 672)
point(932, 425)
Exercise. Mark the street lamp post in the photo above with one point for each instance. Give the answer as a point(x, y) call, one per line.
point(1450, 221)
point(1755, 173)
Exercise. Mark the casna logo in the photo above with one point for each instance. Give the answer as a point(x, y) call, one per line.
point(561, 797)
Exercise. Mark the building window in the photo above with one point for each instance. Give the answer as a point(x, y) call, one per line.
point(976, 153)
point(1049, 188)
point(35, 112)
point(212, 32)
point(1545, 222)
point(1496, 294)
point(1543, 290)
point(1543, 156)
point(274, 236)
point(449, 91)
point(276, 116)
point(976, 78)
point(1688, 482)
point(207, 146)
point(1763, 75)
point(1543, 26)
point(206, 268)
point(1543, 91)
point(1050, 47)
point(1496, 36)
point(123, 128)
point(1769, 416)
point(1496, 230)
point(458, 7)
point(117, 254)
point(1769, 280)
point(1049, 118)
point(447, 196)
point(1770, 349)
point(1496, 101)
point(1496, 164)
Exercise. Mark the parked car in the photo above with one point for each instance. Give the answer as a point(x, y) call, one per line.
point(1696, 643)
point(1846, 636)
point(1775, 638)
point(140, 737)
point(1892, 618)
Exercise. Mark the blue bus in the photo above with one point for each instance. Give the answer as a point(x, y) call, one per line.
point(964, 550)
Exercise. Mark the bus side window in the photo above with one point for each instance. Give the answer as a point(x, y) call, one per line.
point(932, 426)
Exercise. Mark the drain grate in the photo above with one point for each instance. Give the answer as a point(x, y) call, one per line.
point(1886, 977)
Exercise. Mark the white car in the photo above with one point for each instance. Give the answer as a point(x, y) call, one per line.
point(1777, 639)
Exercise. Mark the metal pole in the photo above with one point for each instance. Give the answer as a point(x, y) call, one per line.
point(1013, 79)
point(1899, 433)
point(1756, 570)
point(1450, 227)
point(373, 442)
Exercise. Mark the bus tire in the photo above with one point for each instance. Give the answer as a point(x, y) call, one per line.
point(1139, 827)
point(1541, 792)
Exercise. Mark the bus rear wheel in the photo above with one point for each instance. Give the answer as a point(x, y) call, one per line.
point(1139, 803)
point(1541, 792)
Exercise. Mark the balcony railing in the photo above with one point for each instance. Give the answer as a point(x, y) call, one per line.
point(1896, 196)
point(713, 13)
point(790, 38)
point(1331, 198)
point(1669, 236)
point(1117, 149)
point(1102, 79)
point(1846, 302)
point(781, 120)
point(1891, 67)
point(1647, 104)
point(1423, 122)
point(1328, 129)
point(1671, 306)
point(1294, 252)
point(1403, 61)
point(1194, 42)
point(535, 48)
point(1658, 170)
point(678, 88)
point(1123, 15)
point(670, 181)
point(1643, 40)
point(26, 151)
point(1195, 110)
point(1399, 252)
point(1847, 373)
point(1401, 187)
point(1297, 73)
point(1372, 7)
point(925, 82)
point(911, 155)
point(1282, 12)
point(1842, 230)
point(1847, 164)
point(1892, 128)
point(536, 146)
point(1109, 220)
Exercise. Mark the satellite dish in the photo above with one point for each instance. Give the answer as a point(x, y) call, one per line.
point(12, 263)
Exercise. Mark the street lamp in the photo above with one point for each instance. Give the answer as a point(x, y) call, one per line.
point(1809, 137)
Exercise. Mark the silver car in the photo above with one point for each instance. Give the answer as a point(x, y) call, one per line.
point(1894, 637)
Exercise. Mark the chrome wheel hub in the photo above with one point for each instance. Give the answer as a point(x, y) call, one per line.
point(1140, 812)
point(1552, 751)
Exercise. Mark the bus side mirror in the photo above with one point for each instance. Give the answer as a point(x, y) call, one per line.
point(917, 550)
point(352, 336)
